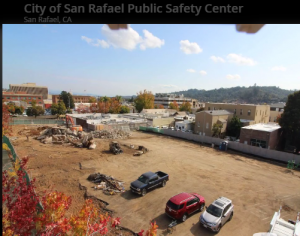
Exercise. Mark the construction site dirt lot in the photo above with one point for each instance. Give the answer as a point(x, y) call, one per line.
point(257, 187)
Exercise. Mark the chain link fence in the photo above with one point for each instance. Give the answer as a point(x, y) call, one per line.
point(37, 122)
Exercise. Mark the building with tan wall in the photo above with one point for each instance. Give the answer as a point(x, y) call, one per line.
point(30, 88)
point(276, 110)
point(22, 96)
point(77, 98)
point(205, 120)
point(248, 113)
point(261, 135)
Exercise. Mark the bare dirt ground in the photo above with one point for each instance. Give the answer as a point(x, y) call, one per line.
point(257, 188)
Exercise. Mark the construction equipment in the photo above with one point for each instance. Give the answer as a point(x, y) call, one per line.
point(73, 127)
point(115, 148)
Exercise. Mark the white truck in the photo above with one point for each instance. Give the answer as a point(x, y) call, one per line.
point(281, 227)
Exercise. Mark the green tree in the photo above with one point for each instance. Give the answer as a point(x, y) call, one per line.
point(19, 110)
point(185, 106)
point(37, 110)
point(144, 100)
point(290, 120)
point(67, 98)
point(234, 127)
point(119, 98)
point(58, 108)
point(124, 109)
point(217, 128)
point(92, 100)
point(173, 105)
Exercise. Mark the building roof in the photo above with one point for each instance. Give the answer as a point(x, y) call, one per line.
point(234, 104)
point(246, 121)
point(217, 112)
point(27, 85)
point(269, 127)
point(277, 105)
point(181, 197)
point(158, 111)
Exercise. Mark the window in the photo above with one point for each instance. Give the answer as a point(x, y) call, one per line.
point(260, 112)
point(241, 111)
point(154, 179)
point(207, 125)
point(40, 102)
point(249, 112)
point(234, 111)
point(209, 108)
point(191, 202)
point(258, 143)
point(226, 209)
point(34, 98)
point(174, 206)
point(29, 98)
point(7, 97)
point(199, 124)
point(39, 97)
point(220, 108)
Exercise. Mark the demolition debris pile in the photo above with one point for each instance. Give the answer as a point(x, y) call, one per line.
point(60, 135)
point(107, 184)
point(111, 134)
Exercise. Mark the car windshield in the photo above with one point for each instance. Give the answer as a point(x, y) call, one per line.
point(143, 179)
point(174, 206)
point(215, 211)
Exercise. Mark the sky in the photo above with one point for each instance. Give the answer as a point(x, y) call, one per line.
point(92, 59)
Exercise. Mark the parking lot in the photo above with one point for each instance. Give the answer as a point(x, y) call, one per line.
point(257, 188)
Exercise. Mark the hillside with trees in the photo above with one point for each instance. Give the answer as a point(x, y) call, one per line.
point(253, 94)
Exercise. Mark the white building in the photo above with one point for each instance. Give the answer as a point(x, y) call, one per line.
point(183, 125)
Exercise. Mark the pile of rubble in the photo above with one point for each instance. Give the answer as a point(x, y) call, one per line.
point(111, 134)
point(108, 184)
point(60, 135)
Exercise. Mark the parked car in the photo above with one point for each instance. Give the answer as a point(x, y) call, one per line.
point(217, 214)
point(180, 206)
point(164, 127)
point(148, 181)
point(24, 115)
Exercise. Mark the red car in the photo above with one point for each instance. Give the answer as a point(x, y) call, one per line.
point(180, 206)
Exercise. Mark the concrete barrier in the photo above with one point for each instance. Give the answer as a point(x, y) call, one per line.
point(244, 148)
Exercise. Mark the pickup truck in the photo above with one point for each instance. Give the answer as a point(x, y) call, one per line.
point(148, 181)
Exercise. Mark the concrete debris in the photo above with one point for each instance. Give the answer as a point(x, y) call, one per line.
point(61, 135)
point(108, 184)
point(111, 134)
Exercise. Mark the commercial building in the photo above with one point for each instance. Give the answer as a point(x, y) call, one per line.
point(30, 88)
point(165, 100)
point(77, 98)
point(276, 109)
point(261, 135)
point(205, 120)
point(21, 96)
point(248, 113)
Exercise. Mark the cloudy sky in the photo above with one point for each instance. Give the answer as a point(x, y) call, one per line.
point(161, 58)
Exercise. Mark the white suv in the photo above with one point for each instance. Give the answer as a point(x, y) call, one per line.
point(217, 214)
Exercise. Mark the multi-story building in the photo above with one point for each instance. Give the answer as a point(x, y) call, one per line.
point(165, 100)
point(30, 88)
point(248, 113)
point(205, 120)
point(21, 96)
point(276, 110)
point(77, 98)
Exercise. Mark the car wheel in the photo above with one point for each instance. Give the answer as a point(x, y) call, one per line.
point(201, 207)
point(230, 216)
point(163, 183)
point(144, 191)
point(219, 228)
point(184, 217)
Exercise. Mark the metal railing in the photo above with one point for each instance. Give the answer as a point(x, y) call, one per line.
point(15, 158)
